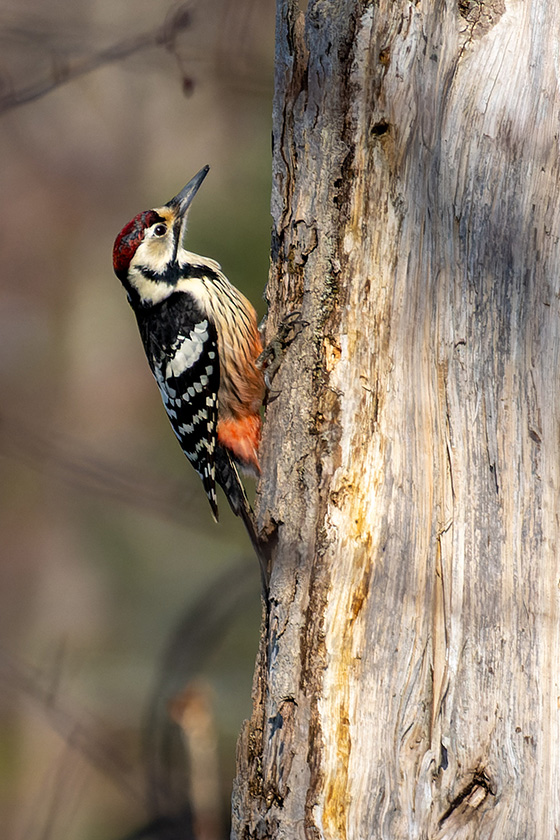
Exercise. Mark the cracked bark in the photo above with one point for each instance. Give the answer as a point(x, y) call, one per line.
point(407, 680)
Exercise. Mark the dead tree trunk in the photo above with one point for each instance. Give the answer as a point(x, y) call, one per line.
point(407, 684)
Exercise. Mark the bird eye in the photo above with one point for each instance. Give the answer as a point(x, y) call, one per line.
point(160, 230)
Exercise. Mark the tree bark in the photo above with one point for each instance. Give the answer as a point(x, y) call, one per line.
point(407, 680)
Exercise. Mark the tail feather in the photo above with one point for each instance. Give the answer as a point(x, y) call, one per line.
point(208, 477)
point(227, 477)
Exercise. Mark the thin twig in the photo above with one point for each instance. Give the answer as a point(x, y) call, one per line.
point(69, 461)
point(66, 70)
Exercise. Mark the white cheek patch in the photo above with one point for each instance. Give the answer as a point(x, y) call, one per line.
point(149, 291)
point(155, 252)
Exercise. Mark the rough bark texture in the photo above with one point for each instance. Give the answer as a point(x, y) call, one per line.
point(407, 682)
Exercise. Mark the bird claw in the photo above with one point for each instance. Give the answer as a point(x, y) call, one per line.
point(271, 357)
point(290, 327)
point(271, 396)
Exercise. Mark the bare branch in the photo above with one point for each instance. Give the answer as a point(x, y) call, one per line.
point(69, 461)
point(65, 70)
point(92, 737)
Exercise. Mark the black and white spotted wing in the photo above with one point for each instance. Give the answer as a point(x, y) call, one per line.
point(182, 348)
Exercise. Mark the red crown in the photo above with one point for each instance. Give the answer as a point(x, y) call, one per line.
point(129, 239)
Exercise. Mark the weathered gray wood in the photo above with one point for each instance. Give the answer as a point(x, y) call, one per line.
point(408, 683)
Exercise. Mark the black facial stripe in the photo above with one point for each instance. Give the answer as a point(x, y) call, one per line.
point(170, 275)
point(174, 272)
point(176, 239)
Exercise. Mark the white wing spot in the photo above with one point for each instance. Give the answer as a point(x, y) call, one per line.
point(200, 415)
point(188, 349)
point(188, 428)
point(202, 329)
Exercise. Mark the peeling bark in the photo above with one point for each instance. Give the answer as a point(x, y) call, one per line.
point(407, 680)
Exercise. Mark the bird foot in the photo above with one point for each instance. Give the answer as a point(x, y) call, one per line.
point(271, 357)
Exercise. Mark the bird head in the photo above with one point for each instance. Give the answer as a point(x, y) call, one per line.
point(145, 251)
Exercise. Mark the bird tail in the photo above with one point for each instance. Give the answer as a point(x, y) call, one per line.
point(208, 476)
point(228, 478)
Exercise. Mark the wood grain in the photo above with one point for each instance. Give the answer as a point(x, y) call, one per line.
point(407, 681)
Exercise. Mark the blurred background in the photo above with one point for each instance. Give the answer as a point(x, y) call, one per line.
point(129, 621)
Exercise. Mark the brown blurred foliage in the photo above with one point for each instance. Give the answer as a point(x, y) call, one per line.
point(107, 544)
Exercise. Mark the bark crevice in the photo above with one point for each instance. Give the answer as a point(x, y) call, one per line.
point(410, 459)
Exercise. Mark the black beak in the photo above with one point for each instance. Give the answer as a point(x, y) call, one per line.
point(182, 201)
point(180, 205)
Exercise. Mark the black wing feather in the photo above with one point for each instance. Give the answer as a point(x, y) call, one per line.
point(182, 348)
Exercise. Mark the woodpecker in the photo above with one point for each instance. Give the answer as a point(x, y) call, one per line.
point(201, 338)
